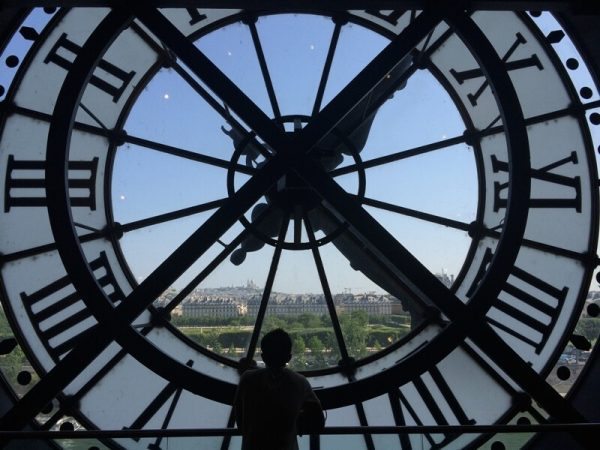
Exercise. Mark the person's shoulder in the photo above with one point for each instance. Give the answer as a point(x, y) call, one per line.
point(297, 377)
point(252, 374)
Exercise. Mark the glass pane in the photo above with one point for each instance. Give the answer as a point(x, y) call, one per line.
point(295, 48)
point(297, 304)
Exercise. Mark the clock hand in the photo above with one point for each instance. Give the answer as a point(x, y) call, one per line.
point(392, 61)
point(465, 320)
point(212, 77)
point(373, 85)
point(367, 262)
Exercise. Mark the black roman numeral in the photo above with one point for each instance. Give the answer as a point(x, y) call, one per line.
point(170, 390)
point(543, 174)
point(58, 313)
point(107, 77)
point(195, 16)
point(532, 61)
point(403, 408)
point(531, 325)
point(25, 183)
point(389, 16)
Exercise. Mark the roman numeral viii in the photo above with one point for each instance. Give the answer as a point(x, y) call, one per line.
point(59, 315)
point(25, 183)
point(527, 307)
point(107, 77)
point(554, 181)
point(428, 398)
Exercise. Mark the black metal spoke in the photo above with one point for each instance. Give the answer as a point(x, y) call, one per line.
point(404, 154)
point(203, 68)
point(380, 273)
point(93, 116)
point(327, 67)
point(38, 115)
point(337, 329)
point(461, 139)
point(188, 154)
point(264, 68)
point(571, 254)
point(260, 316)
point(197, 87)
point(130, 226)
point(166, 217)
point(163, 148)
point(37, 250)
point(423, 284)
point(414, 213)
point(297, 225)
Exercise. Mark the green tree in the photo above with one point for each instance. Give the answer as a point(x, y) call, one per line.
point(376, 346)
point(588, 327)
point(272, 322)
point(299, 351)
point(354, 329)
point(231, 351)
point(316, 349)
point(12, 364)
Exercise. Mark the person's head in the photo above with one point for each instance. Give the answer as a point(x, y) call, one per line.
point(276, 348)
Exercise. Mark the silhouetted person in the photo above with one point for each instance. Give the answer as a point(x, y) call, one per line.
point(268, 401)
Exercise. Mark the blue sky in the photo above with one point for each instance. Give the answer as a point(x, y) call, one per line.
point(443, 182)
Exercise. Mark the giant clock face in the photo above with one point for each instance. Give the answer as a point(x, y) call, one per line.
point(150, 154)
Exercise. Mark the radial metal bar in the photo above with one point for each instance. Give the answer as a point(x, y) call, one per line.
point(327, 67)
point(260, 316)
point(188, 154)
point(264, 68)
point(416, 214)
point(337, 329)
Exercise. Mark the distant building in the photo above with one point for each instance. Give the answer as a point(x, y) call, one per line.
point(448, 280)
point(373, 304)
point(246, 300)
point(212, 307)
point(288, 305)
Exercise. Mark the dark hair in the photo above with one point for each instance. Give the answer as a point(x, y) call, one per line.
point(276, 348)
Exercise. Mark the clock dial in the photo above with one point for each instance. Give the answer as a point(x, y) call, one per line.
point(320, 177)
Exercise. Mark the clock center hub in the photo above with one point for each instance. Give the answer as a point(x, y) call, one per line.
point(291, 193)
